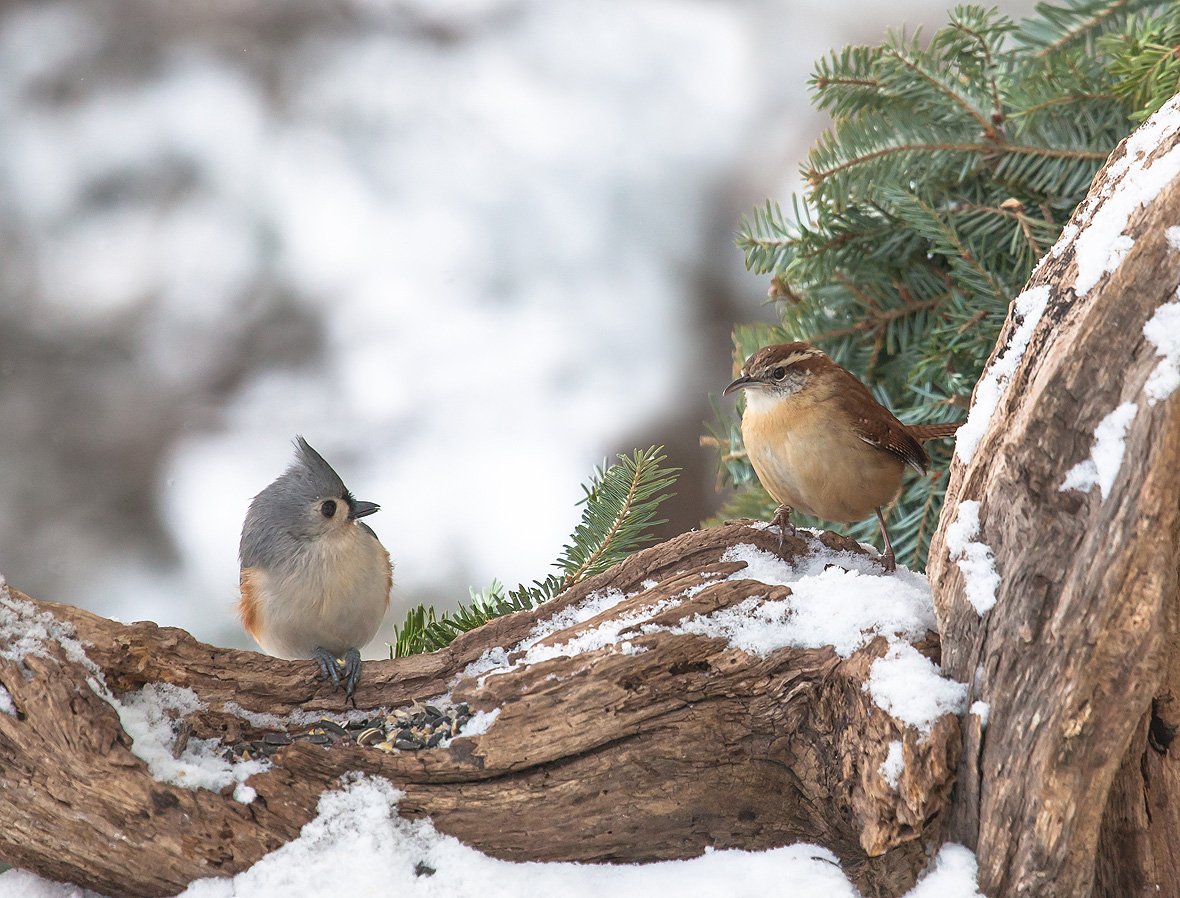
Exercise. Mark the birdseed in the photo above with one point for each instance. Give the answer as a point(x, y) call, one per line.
point(414, 728)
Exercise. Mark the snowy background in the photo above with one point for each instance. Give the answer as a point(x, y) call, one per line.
point(467, 248)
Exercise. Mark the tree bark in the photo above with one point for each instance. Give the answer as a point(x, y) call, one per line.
point(681, 744)
point(1072, 789)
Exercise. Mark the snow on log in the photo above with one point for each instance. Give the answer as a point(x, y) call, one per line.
point(712, 691)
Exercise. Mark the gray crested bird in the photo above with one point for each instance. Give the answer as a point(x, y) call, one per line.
point(315, 579)
point(820, 443)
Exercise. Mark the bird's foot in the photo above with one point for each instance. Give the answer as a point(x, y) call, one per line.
point(782, 517)
point(352, 671)
point(329, 665)
point(888, 559)
point(330, 668)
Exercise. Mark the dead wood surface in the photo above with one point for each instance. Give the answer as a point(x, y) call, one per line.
point(602, 756)
point(1071, 789)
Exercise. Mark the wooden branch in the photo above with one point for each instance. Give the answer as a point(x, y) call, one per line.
point(681, 744)
point(1071, 790)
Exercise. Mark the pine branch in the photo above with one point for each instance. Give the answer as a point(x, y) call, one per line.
point(816, 177)
point(1076, 21)
point(949, 169)
point(1146, 63)
point(621, 503)
point(620, 509)
point(947, 89)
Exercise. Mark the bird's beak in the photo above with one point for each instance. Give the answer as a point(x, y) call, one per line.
point(742, 382)
point(360, 509)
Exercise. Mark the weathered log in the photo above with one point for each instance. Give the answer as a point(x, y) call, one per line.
point(1072, 789)
point(679, 743)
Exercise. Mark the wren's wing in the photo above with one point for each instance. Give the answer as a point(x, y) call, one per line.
point(882, 430)
point(875, 424)
point(891, 435)
point(924, 432)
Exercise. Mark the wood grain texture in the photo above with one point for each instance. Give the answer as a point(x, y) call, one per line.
point(1066, 793)
point(602, 756)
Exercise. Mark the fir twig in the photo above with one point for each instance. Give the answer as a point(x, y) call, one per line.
point(620, 507)
point(949, 169)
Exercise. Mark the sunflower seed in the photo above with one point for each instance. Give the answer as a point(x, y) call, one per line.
point(371, 736)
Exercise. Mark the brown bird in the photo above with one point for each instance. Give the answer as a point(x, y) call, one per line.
point(820, 443)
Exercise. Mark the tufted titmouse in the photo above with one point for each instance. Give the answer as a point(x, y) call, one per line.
point(315, 579)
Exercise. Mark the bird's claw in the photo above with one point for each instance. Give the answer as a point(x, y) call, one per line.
point(329, 665)
point(330, 669)
point(352, 671)
point(782, 517)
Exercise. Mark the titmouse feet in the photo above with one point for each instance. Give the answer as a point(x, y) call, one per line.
point(330, 668)
point(782, 517)
point(352, 671)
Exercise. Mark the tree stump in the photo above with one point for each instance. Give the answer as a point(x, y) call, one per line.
point(654, 744)
point(1072, 789)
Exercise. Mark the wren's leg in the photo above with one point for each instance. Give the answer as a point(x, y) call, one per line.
point(329, 669)
point(890, 562)
point(782, 517)
point(352, 671)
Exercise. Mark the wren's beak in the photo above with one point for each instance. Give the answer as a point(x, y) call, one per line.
point(360, 509)
point(744, 381)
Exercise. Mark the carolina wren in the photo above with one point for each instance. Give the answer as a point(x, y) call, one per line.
point(820, 443)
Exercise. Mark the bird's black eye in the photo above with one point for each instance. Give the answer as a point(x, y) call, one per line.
point(328, 508)
point(779, 373)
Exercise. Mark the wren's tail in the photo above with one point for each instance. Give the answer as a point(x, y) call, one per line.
point(924, 432)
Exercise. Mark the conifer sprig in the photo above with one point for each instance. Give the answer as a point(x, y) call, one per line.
point(949, 170)
point(621, 503)
point(1145, 64)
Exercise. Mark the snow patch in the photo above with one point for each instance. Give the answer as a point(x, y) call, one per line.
point(7, 705)
point(604, 635)
point(974, 558)
point(1106, 456)
point(905, 683)
point(25, 631)
point(496, 659)
point(893, 765)
point(982, 710)
point(480, 723)
point(261, 720)
point(23, 884)
point(828, 605)
point(147, 717)
point(1029, 306)
point(954, 874)
point(1173, 235)
point(1163, 332)
point(1101, 244)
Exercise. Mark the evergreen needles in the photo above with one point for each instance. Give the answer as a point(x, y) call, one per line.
point(950, 168)
point(620, 508)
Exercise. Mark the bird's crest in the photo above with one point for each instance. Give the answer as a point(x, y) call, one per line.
point(315, 473)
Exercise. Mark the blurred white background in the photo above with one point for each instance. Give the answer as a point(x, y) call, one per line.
point(468, 248)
